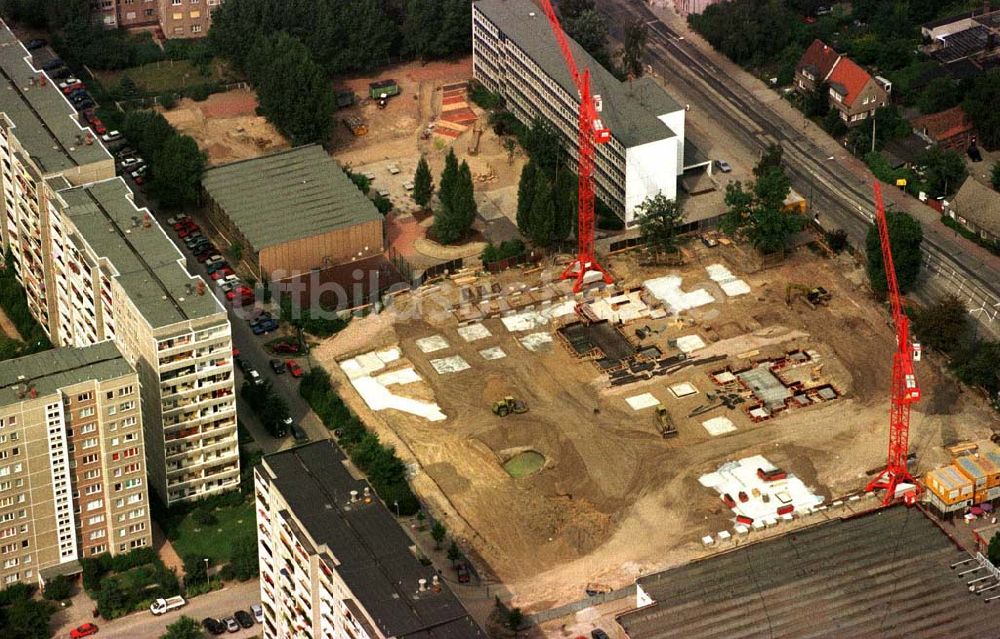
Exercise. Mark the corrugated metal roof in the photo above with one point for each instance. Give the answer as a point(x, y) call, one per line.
point(950, 478)
point(971, 467)
point(48, 371)
point(44, 121)
point(148, 264)
point(288, 196)
point(631, 114)
point(884, 574)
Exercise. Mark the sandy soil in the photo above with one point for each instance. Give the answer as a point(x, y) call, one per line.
point(7, 327)
point(614, 499)
point(225, 126)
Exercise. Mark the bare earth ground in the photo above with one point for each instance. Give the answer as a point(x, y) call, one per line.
point(614, 499)
point(225, 126)
point(7, 327)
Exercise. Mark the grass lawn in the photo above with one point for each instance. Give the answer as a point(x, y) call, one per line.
point(214, 541)
point(166, 75)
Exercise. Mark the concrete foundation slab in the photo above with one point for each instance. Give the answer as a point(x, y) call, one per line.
point(684, 389)
point(762, 502)
point(725, 377)
point(402, 376)
point(766, 386)
point(668, 290)
point(447, 365)
point(690, 343)
point(472, 332)
point(493, 353)
point(524, 321)
point(639, 402)
point(432, 344)
point(719, 426)
point(536, 341)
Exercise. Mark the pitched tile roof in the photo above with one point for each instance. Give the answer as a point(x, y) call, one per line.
point(979, 204)
point(944, 124)
point(848, 79)
point(819, 59)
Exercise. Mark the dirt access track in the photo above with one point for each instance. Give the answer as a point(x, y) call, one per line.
point(614, 500)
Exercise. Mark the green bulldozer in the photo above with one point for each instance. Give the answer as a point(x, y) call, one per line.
point(664, 423)
point(508, 405)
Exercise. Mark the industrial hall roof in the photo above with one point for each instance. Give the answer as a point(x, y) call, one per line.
point(288, 196)
point(979, 204)
point(882, 574)
point(629, 112)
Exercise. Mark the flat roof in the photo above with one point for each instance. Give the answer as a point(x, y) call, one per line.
point(883, 574)
point(631, 114)
point(950, 478)
point(44, 121)
point(287, 196)
point(50, 370)
point(372, 551)
point(148, 265)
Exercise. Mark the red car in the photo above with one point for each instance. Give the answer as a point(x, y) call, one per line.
point(98, 126)
point(85, 630)
point(293, 368)
point(242, 296)
point(222, 272)
point(285, 347)
point(70, 88)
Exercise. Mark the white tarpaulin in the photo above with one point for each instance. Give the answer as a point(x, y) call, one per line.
point(667, 289)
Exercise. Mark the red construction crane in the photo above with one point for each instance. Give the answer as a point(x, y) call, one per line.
point(904, 383)
point(591, 131)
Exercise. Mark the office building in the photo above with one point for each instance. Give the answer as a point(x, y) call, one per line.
point(515, 54)
point(95, 267)
point(72, 472)
point(335, 563)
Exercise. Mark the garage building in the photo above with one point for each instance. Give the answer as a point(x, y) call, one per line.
point(292, 211)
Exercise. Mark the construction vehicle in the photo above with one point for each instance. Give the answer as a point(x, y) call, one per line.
point(905, 390)
point(356, 126)
point(591, 131)
point(813, 297)
point(382, 91)
point(664, 423)
point(594, 588)
point(508, 405)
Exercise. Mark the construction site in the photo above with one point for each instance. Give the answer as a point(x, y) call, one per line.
point(628, 408)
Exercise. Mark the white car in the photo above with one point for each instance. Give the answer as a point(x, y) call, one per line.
point(258, 613)
point(111, 136)
point(68, 82)
point(254, 376)
point(132, 162)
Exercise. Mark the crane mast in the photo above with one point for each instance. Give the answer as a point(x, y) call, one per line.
point(591, 131)
point(904, 382)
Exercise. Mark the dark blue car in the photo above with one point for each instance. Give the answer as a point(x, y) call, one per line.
point(265, 327)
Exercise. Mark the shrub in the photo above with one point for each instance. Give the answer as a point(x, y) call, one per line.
point(484, 97)
point(58, 588)
point(168, 101)
point(836, 240)
point(507, 249)
point(382, 203)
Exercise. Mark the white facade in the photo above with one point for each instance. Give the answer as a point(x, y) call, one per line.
point(516, 56)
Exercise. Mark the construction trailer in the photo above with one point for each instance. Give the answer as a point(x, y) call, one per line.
point(383, 89)
point(344, 99)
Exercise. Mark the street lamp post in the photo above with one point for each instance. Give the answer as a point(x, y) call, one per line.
point(396, 504)
point(208, 579)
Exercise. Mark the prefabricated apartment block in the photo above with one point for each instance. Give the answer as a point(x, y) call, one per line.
point(334, 562)
point(95, 267)
point(515, 55)
point(292, 211)
point(72, 471)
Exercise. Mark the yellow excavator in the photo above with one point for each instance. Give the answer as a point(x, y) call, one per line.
point(508, 405)
point(813, 297)
point(664, 423)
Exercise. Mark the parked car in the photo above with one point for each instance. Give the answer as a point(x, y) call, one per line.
point(204, 252)
point(231, 624)
point(243, 618)
point(70, 85)
point(161, 605)
point(289, 348)
point(79, 95)
point(277, 366)
point(53, 64)
point(723, 166)
point(86, 103)
point(231, 280)
point(60, 74)
point(132, 163)
point(36, 43)
point(138, 178)
point(213, 626)
point(84, 630)
point(255, 377)
point(294, 368)
point(214, 263)
point(228, 285)
point(177, 219)
point(598, 633)
point(241, 295)
point(240, 362)
point(98, 126)
point(124, 152)
point(283, 426)
point(258, 613)
point(463, 572)
point(111, 136)
point(265, 327)
point(221, 273)
point(298, 434)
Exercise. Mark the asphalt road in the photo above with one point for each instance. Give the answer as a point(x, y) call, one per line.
point(844, 200)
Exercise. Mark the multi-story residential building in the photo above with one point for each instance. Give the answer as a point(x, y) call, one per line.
point(186, 18)
point(125, 13)
point(852, 91)
point(516, 55)
point(334, 562)
point(95, 267)
point(72, 471)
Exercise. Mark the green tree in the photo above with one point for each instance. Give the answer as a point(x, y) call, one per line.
point(542, 145)
point(236, 251)
point(525, 195)
point(755, 211)
point(590, 31)
point(454, 554)
point(834, 124)
point(980, 105)
point(457, 202)
point(438, 532)
point(436, 28)
point(995, 176)
point(58, 588)
point(147, 130)
point(569, 9)
point(184, 628)
point(112, 601)
point(659, 218)
point(27, 619)
point(938, 95)
point(944, 170)
point(634, 47)
point(543, 212)
point(976, 365)
point(944, 325)
point(905, 236)
point(464, 199)
point(243, 557)
point(127, 88)
point(817, 102)
point(515, 618)
point(195, 570)
point(449, 179)
point(423, 183)
point(177, 170)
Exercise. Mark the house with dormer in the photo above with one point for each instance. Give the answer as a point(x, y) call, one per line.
point(853, 92)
